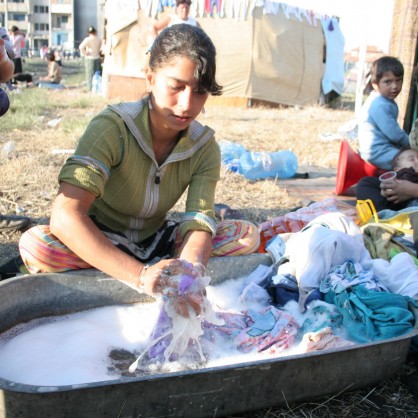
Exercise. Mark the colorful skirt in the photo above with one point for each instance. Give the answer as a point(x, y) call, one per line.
point(42, 252)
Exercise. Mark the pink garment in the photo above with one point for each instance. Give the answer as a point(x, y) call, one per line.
point(322, 340)
point(269, 328)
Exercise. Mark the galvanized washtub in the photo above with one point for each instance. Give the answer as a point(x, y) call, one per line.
point(212, 392)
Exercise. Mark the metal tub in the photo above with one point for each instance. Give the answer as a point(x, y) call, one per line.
point(212, 392)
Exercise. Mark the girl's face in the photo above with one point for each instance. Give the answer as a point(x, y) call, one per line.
point(182, 11)
point(389, 85)
point(175, 99)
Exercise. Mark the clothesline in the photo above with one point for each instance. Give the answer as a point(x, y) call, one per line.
point(236, 9)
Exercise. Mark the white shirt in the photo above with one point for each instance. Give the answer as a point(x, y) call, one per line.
point(176, 20)
point(91, 47)
point(16, 41)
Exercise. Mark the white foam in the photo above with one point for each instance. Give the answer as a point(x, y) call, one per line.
point(74, 349)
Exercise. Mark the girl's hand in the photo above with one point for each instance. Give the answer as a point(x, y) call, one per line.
point(175, 279)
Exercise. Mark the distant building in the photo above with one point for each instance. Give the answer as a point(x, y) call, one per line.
point(352, 70)
point(61, 15)
point(372, 54)
point(55, 23)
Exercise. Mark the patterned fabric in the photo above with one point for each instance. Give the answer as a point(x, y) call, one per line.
point(269, 327)
point(235, 237)
point(42, 252)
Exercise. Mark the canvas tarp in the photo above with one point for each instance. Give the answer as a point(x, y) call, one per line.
point(272, 58)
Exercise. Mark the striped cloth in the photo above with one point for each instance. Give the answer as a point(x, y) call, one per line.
point(42, 252)
point(235, 237)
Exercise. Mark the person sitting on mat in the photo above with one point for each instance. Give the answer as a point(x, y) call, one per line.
point(132, 164)
point(54, 73)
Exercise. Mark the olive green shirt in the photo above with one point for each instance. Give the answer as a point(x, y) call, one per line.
point(115, 161)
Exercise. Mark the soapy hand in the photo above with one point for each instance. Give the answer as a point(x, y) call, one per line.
point(176, 279)
point(186, 293)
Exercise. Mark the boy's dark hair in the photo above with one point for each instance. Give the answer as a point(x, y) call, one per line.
point(384, 65)
point(14, 28)
point(50, 56)
point(178, 2)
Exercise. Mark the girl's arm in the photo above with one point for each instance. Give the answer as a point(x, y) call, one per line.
point(196, 249)
point(159, 25)
point(71, 224)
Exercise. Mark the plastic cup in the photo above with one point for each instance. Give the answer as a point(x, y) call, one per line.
point(388, 176)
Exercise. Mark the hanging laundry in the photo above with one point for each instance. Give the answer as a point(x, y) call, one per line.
point(333, 78)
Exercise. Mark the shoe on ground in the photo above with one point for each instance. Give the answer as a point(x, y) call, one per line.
point(224, 212)
point(12, 268)
point(13, 222)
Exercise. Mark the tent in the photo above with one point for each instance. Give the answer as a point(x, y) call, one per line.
point(273, 52)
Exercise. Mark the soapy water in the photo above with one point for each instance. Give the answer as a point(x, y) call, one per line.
point(81, 347)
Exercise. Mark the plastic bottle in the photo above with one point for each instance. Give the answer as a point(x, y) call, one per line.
point(231, 150)
point(262, 165)
point(96, 83)
point(230, 154)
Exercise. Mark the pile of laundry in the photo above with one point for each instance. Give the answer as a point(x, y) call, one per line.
point(323, 290)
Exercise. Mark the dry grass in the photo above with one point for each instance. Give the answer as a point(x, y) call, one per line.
point(29, 185)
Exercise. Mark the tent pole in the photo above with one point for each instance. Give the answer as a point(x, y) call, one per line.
point(360, 78)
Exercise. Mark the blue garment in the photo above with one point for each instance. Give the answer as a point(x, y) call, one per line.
point(379, 133)
point(333, 78)
point(370, 316)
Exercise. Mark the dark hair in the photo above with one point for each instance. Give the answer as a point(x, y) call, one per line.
point(383, 65)
point(190, 42)
point(50, 56)
point(91, 29)
point(14, 28)
point(178, 2)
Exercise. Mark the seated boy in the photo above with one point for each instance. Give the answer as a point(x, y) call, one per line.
point(379, 133)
